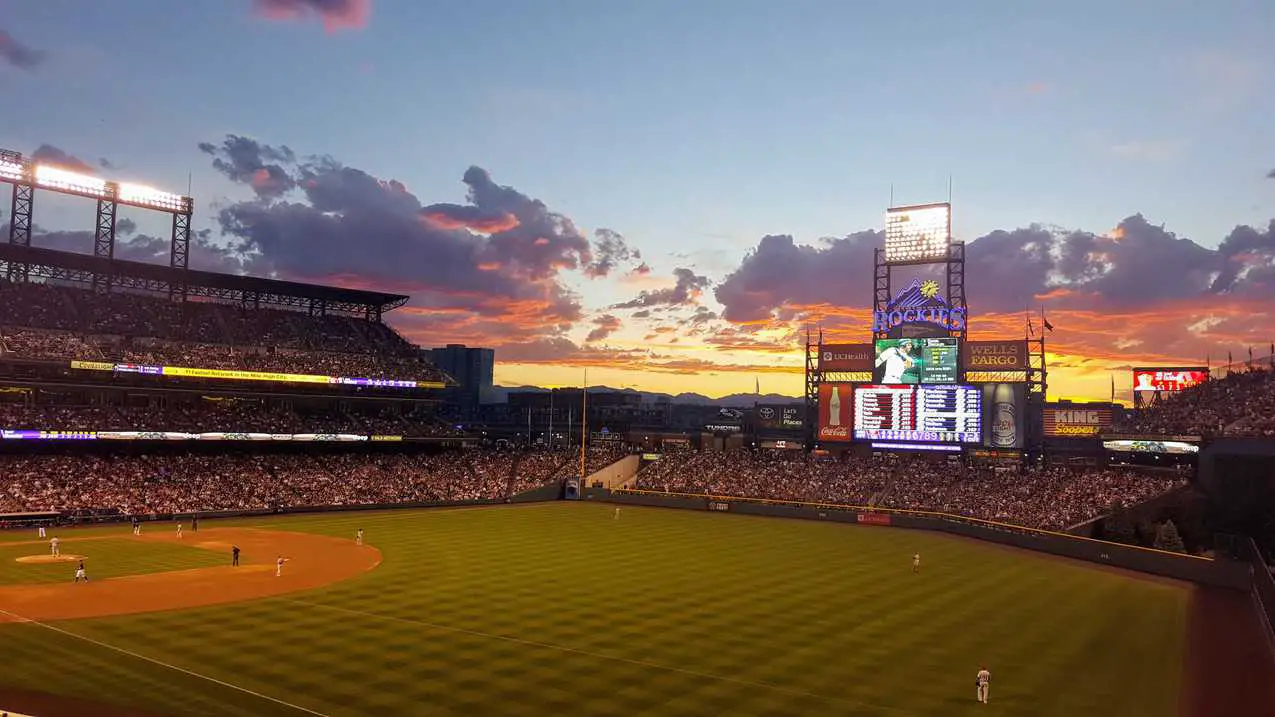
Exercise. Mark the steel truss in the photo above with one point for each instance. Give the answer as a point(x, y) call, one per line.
point(954, 275)
point(1036, 394)
point(244, 298)
point(20, 208)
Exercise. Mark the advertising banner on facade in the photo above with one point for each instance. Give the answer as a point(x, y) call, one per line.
point(836, 404)
point(1077, 420)
point(1003, 408)
point(995, 355)
point(845, 357)
point(778, 417)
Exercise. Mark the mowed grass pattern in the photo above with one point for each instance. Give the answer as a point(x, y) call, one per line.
point(562, 609)
point(103, 558)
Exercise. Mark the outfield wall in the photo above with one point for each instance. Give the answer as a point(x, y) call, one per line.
point(1205, 571)
point(616, 474)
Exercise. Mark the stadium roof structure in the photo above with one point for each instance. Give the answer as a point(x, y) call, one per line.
point(58, 265)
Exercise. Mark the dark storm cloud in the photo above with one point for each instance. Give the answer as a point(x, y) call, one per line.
point(490, 267)
point(688, 288)
point(604, 326)
point(246, 161)
point(52, 155)
point(1138, 263)
point(780, 272)
point(17, 54)
point(610, 250)
point(335, 14)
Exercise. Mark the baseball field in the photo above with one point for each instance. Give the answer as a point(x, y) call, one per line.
point(563, 608)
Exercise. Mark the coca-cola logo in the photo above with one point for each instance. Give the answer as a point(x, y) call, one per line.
point(830, 432)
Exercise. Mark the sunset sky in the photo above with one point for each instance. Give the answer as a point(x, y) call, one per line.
point(668, 191)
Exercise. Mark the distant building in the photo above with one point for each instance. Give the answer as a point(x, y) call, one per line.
point(473, 370)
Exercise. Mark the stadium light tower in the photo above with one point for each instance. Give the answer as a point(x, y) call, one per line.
point(920, 235)
point(27, 175)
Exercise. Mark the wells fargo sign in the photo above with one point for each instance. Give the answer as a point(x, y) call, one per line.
point(1077, 421)
point(996, 355)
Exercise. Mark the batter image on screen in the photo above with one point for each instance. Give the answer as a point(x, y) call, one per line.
point(912, 361)
point(898, 361)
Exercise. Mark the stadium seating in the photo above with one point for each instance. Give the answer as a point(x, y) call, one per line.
point(1051, 498)
point(47, 322)
point(1239, 404)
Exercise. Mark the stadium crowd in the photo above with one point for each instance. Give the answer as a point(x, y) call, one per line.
point(1051, 498)
point(1239, 404)
point(48, 322)
point(222, 415)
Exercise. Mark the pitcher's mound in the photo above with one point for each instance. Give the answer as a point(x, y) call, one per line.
point(43, 559)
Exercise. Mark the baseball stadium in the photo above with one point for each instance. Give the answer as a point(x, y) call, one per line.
point(239, 495)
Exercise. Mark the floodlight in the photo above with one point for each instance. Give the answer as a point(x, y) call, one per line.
point(920, 234)
point(12, 170)
point(57, 178)
point(150, 197)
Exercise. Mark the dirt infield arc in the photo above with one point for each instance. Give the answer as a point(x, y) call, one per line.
point(313, 561)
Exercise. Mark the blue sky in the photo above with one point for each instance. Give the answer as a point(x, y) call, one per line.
point(693, 128)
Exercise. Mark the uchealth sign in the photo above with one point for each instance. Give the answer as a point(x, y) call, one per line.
point(996, 355)
point(845, 357)
point(1077, 421)
point(836, 404)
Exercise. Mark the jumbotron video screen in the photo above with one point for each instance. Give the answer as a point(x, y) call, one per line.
point(917, 361)
point(931, 414)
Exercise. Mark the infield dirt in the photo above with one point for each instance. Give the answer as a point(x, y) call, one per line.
point(313, 561)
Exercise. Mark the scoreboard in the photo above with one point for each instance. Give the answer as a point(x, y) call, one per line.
point(928, 413)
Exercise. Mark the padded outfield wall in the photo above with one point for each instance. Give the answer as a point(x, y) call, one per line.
point(1218, 572)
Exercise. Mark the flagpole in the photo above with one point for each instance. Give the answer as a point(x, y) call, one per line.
point(584, 423)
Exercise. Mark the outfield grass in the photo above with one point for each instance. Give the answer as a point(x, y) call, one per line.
point(103, 558)
point(560, 609)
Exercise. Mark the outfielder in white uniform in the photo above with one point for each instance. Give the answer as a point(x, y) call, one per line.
point(982, 681)
point(42, 536)
point(358, 537)
point(278, 566)
point(916, 563)
point(53, 545)
point(179, 530)
point(617, 514)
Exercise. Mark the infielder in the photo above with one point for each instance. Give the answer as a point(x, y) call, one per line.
point(179, 531)
point(54, 546)
point(42, 536)
point(617, 514)
point(278, 566)
point(80, 574)
point(234, 556)
point(981, 682)
point(916, 562)
point(137, 526)
point(358, 537)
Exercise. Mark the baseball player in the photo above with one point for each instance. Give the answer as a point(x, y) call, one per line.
point(42, 536)
point(278, 566)
point(137, 526)
point(54, 545)
point(358, 537)
point(80, 574)
point(981, 682)
point(617, 514)
point(234, 556)
point(916, 562)
point(179, 530)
